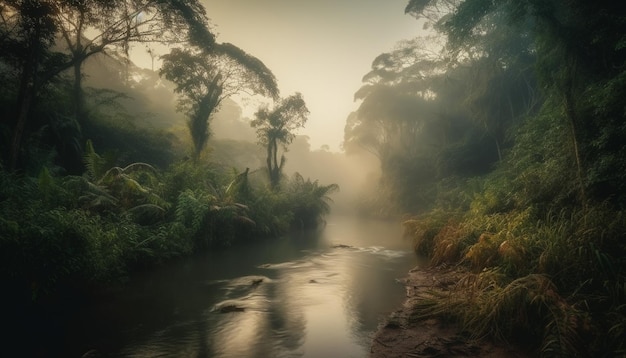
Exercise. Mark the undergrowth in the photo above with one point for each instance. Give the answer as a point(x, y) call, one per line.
point(58, 231)
point(555, 281)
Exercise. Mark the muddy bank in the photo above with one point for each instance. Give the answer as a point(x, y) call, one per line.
point(401, 336)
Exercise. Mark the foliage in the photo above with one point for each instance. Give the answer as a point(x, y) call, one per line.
point(72, 217)
point(277, 126)
point(488, 304)
point(45, 38)
point(542, 233)
point(213, 220)
point(130, 189)
point(45, 243)
point(310, 201)
point(123, 138)
point(270, 210)
point(429, 121)
point(572, 253)
point(205, 77)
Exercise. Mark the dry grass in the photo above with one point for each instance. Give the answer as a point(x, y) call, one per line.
point(547, 280)
point(487, 304)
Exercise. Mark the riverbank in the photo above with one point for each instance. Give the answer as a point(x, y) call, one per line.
point(404, 336)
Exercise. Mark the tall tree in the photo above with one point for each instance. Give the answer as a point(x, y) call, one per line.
point(205, 78)
point(501, 85)
point(89, 27)
point(30, 28)
point(277, 126)
point(27, 34)
point(580, 52)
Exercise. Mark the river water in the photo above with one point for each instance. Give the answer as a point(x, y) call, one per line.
point(305, 295)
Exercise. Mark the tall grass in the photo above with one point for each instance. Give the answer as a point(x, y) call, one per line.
point(525, 310)
point(555, 279)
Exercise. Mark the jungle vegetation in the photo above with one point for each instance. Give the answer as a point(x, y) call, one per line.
point(97, 176)
point(276, 126)
point(503, 135)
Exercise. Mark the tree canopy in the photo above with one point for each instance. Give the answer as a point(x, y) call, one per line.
point(541, 227)
point(277, 126)
point(45, 38)
point(205, 77)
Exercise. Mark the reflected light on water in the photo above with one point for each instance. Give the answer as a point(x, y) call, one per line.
point(328, 319)
point(238, 332)
point(290, 298)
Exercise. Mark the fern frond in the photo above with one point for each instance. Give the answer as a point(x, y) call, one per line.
point(139, 166)
point(93, 162)
point(146, 212)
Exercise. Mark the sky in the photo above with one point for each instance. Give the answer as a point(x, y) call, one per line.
point(321, 48)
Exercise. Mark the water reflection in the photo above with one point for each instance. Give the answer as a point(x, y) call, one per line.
point(297, 297)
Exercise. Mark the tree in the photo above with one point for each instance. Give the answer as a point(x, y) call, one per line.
point(89, 27)
point(580, 53)
point(27, 34)
point(277, 126)
point(205, 78)
point(413, 118)
point(30, 28)
point(311, 200)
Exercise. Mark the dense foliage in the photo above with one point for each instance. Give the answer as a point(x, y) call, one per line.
point(205, 77)
point(277, 126)
point(506, 143)
point(88, 191)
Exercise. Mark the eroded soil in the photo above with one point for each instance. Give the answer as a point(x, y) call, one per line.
point(401, 336)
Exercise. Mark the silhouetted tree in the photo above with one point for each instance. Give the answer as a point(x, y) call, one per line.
point(80, 29)
point(27, 34)
point(205, 78)
point(580, 61)
point(277, 126)
point(90, 27)
point(414, 118)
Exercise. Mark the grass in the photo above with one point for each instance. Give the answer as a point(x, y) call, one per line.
point(553, 281)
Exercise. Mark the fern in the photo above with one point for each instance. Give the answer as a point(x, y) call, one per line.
point(146, 213)
point(94, 163)
point(192, 209)
point(122, 189)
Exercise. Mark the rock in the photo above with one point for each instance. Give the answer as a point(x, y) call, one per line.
point(231, 308)
point(342, 246)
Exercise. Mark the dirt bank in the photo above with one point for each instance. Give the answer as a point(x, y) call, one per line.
point(401, 337)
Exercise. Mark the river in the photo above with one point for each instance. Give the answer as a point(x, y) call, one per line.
point(304, 295)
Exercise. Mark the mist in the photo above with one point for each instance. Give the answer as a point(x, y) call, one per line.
point(234, 141)
point(146, 102)
point(220, 178)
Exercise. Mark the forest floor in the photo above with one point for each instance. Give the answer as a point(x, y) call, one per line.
point(401, 336)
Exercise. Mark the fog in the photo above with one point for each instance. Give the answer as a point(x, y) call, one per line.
point(356, 174)
point(149, 104)
point(138, 133)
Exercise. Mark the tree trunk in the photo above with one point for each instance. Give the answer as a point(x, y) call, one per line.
point(24, 102)
point(22, 117)
point(79, 97)
point(273, 166)
point(275, 153)
point(269, 163)
point(571, 117)
point(498, 149)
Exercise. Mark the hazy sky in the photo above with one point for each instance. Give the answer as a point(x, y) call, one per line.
point(321, 48)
